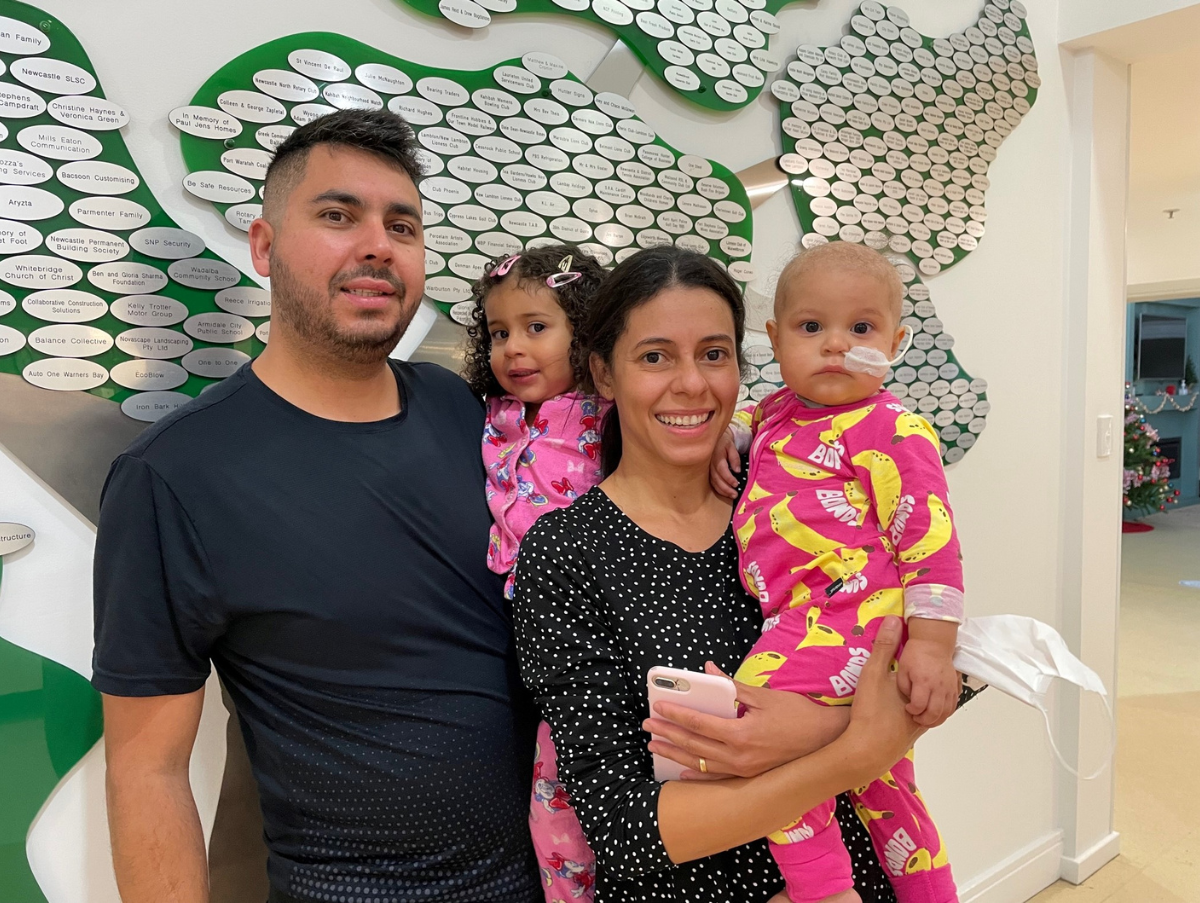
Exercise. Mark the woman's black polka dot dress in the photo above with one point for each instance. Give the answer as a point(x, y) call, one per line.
point(598, 603)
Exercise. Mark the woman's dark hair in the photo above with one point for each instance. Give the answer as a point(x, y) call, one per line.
point(631, 284)
point(530, 271)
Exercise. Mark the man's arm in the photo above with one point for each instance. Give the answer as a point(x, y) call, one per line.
point(157, 842)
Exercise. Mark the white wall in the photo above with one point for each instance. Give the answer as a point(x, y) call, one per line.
point(1084, 18)
point(988, 774)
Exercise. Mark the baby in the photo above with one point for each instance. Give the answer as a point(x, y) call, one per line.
point(845, 520)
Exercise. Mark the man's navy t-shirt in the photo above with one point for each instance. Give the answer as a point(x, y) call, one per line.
point(336, 575)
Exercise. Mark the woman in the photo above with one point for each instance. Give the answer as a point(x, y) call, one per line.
point(642, 571)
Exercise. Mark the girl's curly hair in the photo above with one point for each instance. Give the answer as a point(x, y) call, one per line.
point(530, 271)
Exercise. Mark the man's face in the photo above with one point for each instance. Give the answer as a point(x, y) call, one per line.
point(346, 255)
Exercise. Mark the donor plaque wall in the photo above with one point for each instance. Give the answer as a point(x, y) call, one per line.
point(517, 155)
point(100, 291)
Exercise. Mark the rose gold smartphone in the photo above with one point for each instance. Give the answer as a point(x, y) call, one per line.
point(707, 693)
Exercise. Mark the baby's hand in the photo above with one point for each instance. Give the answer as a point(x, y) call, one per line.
point(927, 677)
point(725, 463)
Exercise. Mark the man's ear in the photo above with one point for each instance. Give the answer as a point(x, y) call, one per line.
point(262, 237)
point(601, 375)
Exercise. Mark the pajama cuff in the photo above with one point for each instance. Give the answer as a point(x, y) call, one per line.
point(934, 602)
point(742, 434)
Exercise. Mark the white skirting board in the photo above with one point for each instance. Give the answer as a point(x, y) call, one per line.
point(1020, 876)
point(1078, 869)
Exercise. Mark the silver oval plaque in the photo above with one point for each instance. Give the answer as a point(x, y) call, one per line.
point(251, 106)
point(90, 245)
point(149, 310)
point(39, 271)
point(10, 340)
point(154, 342)
point(220, 328)
point(59, 142)
point(21, 38)
point(319, 65)
point(54, 76)
point(352, 97)
point(204, 273)
point(14, 537)
point(240, 216)
point(271, 136)
point(20, 168)
point(109, 213)
point(245, 301)
point(247, 162)
point(150, 406)
point(24, 202)
point(64, 305)
point(127, 278)
point(383, 78)
point(98, 177)
point(20, 103)
point(166, 243)
point(146, 375)
point(285, 85)
point(219, 187)
point(92, 113)
point(70, 340)
point(205, 122)
point(17, 237)
point(215, 363)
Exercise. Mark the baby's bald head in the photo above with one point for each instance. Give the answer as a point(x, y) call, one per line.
point(838, 256)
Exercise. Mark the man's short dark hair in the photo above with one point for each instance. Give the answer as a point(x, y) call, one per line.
point(377, 132)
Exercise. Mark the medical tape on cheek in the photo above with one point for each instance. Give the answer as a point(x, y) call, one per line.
point(861, 359)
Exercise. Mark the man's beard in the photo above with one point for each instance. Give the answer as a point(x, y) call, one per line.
point(309, 315)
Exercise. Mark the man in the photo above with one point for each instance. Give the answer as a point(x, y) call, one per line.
point(316, 527)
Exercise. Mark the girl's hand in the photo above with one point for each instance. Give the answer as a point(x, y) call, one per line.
point(777, 727)
point(927, 677)
point(725, 463)
point(881, 731)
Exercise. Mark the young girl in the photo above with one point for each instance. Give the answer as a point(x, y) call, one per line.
point(844, 521)
point(541, 448)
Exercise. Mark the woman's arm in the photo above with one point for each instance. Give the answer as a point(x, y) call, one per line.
point(700, 819)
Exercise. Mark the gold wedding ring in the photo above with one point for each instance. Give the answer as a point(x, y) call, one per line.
point(703, 766)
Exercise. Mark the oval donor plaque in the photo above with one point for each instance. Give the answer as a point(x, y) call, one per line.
point(204, 273)
point(70, 340)
point(150, 406)
point(317, 64)
point(215, 363)
point(64, 305)
point(53, 76)
point(154, 342)
point(98, 177)
point(285, 85)
point(149, 310)
point(205, 122)
point(95, 114)
point(250, 106)
point(24, 202)
point(14, 537)
point(248, 162)
point(10, 340)
point(219, 187)
point(65, 374)
point(20, 168)
point(241, 216)
point(219, 328)
point(90, 245)
point(245, 301)
point(39, 271)
point(21, 38)
point(109, 213)
point(59, 142)
point(166, 243)
point(148, 375)
point(19, 103)
point(18, 237)
point(127, 278)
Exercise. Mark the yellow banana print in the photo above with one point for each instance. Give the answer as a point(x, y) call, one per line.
point(909, 424)
point(920, 861)
point(801, 595)
point(866, 816)
point(801, 470)
point(906, 579)
point(884, 602)
point(829, 700)
point(839, 564)
point(746, 530)
point(885, 483)
point(857, 497)
point(757, 669)
point(756, 493)
point(819, 634)
point(806, 539)
point(935, 538)
point(843, 422)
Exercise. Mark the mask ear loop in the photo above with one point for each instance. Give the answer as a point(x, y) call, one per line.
point(907, 344)
point(1112, 742)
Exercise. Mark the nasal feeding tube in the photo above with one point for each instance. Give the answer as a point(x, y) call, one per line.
point(862, 359)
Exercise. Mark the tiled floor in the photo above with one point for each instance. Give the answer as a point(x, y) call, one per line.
point(1158, 772)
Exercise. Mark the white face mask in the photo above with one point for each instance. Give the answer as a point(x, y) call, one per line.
point(1022, 657)
point(862, 359)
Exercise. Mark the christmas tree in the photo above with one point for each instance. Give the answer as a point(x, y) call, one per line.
point(1147, 489)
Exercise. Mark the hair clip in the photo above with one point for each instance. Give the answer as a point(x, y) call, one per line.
point(565, 275)
point(502, 268)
